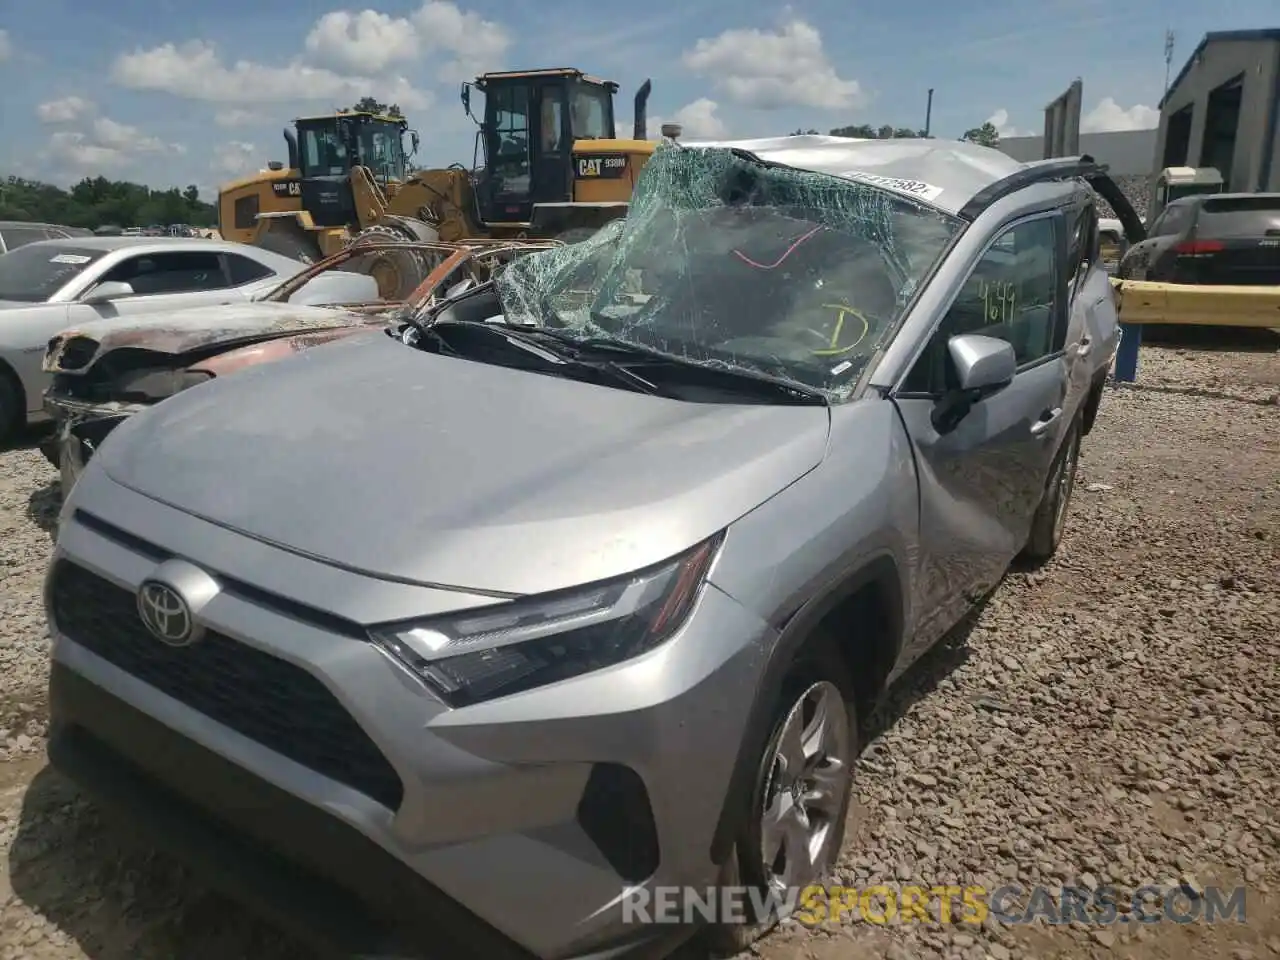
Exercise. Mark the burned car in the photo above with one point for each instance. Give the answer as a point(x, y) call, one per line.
point(104, 372)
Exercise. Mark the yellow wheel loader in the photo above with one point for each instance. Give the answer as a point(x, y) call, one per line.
point(547, 164)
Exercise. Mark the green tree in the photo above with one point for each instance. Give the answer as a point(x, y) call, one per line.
point(96, 202)
point(987, 135)
point(371, 105)
point(865, 131)
point(798, 132)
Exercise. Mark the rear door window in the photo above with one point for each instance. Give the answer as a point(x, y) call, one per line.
point(243, 270)
point(1240, 217)
point(156, 273)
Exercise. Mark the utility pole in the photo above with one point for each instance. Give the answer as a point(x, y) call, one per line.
point(928, 113)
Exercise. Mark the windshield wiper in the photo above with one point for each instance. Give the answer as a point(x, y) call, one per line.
point(552, 350)
point(769, 383)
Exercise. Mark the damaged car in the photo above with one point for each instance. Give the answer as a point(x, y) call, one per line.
point(105, 371)
point(591, 574)
point(49, 285)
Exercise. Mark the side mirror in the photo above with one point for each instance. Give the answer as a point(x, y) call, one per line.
point(107, 291)
point(983, 364)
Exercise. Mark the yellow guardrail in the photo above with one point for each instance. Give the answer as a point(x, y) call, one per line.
point(1140, 301)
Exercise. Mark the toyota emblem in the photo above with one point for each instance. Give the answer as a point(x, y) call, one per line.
point(166, 615)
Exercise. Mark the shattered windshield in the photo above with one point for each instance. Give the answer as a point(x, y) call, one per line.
point(729, 262)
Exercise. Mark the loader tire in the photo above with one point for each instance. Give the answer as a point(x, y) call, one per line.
point(398, 272)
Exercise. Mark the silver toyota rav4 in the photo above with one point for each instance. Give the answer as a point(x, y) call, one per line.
point(578, 588)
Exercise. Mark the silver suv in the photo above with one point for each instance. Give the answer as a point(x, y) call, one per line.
point(580, 587)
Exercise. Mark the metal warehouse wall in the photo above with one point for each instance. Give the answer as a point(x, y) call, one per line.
point(1211, 66)
point(1127, 153)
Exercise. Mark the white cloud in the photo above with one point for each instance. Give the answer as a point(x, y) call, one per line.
point(1000, 120)
point(698, 121)
point(476, 44)
point(127, 139)
point(1109, 117)
point(364, 42)
point(770, 70)
point(63, 111)
point(233, 158)
point(6, 46)
point(235, 117)
point(194, 71)
point(108, 145)
point(461, 42)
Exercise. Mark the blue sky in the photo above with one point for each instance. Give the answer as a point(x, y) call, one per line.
point(171, 92)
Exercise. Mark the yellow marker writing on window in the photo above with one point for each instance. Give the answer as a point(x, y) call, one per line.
point(999, 299)
point(843, 310)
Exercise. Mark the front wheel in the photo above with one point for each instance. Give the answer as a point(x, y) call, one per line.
point(12, 414)
point(800, 799)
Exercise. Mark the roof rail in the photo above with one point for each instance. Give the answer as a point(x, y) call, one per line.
point(1042, 171)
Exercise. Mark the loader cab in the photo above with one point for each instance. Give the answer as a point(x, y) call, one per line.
point(328, 147)
point(531, 120)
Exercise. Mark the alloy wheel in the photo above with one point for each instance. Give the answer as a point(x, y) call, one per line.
point(809, 776)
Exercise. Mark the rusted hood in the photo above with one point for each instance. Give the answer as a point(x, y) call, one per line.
point(184, 330)
point(267, 351)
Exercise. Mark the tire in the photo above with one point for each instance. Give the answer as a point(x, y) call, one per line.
point(288, 243)
point(398, 272)
point(1093, 404)
point(13, 414)
point(818, 674)
point(51, 448)
point(1050, 519)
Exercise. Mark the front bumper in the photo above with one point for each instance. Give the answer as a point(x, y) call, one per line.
point(79, 429)
point(515, 822)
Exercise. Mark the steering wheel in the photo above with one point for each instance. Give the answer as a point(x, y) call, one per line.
point(848, 329)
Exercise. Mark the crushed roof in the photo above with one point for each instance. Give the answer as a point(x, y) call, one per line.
point(943, 173)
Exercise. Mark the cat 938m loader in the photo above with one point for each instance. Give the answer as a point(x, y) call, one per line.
point(547, 164)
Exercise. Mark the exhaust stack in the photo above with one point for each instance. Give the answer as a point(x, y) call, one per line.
point(292, 142)
point(641, 113)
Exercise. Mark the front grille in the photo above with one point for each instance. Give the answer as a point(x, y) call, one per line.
point(262, 697)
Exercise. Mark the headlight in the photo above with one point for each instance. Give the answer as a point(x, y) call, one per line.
point(496, 651)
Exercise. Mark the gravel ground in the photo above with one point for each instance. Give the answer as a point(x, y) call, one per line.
point(1113, 718)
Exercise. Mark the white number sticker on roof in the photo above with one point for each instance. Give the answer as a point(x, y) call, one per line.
point(912, 188)
point(75, 258)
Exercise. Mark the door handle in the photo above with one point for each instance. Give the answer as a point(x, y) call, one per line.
point(1047, 419)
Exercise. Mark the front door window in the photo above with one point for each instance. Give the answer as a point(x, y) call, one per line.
point(511, 161)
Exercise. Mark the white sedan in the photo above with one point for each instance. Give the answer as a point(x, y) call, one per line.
point(50, 285)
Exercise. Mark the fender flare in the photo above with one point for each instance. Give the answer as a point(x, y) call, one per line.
point(882, 571)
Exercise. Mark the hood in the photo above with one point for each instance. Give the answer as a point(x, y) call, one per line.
point(453, 473)
point(183, 330)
